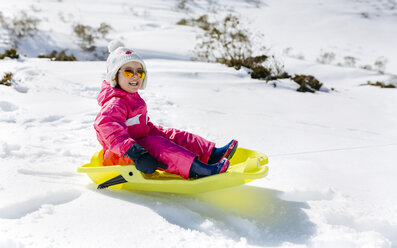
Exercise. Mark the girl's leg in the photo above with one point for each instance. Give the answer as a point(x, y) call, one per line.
point(178, 158)
point(192, 142)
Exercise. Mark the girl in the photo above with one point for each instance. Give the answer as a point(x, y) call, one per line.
point(126, 134)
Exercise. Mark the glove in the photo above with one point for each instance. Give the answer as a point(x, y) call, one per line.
point(143, 160)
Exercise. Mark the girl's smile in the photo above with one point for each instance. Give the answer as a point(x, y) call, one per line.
point(130, 77)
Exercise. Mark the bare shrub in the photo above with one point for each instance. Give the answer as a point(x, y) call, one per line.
point(365, 15)
point(24, 25)
point(2, 21)
point(10, 53)
point(350, 61)
point(276, 67)
point(182, 4)
point(87, 35)
point(228, 43)
point(308, 83)
point(7, 79)
point(326, 58)
point(104, 29)
point(20, 26)
point(201, 22)
point(366, 67)
point(380, 64)
point(380, 84)
point(225, 42)
point(61, 56)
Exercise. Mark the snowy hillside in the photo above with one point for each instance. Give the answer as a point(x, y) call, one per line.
point(331, 154)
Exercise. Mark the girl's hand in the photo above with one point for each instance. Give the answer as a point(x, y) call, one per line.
point(143, 160)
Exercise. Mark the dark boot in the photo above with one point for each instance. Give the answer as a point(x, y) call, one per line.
point(220, 153)
point(199, 169)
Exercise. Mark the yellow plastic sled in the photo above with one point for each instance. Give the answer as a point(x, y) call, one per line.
point(245, 166)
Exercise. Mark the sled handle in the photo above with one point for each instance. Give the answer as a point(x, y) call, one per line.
point(262, 160)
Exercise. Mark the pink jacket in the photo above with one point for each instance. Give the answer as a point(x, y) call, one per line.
point(123, 120)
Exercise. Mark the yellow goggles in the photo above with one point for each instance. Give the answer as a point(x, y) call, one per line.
point(128, 73)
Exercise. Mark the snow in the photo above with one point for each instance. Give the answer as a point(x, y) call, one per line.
point(332, 164)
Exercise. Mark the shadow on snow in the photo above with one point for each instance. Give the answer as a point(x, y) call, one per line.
point(256, 214)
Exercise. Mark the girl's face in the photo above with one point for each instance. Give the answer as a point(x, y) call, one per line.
point(128, 83)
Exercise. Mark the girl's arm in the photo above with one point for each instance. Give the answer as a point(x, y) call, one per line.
point(112, 129)
point(155, 129)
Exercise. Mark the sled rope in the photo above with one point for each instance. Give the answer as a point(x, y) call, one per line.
point(331, 150)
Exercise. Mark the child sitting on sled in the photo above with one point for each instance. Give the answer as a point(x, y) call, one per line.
point(126, 134)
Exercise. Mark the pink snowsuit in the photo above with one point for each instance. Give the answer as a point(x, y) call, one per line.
point(123, 120)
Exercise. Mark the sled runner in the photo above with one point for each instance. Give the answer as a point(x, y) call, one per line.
point(245, 166)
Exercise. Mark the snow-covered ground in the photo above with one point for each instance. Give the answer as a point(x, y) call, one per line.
point(331, 154)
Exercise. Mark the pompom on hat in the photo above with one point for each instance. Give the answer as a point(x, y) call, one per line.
point(120, 55)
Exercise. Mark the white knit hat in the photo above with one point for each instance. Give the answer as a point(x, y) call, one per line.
point(120, 55)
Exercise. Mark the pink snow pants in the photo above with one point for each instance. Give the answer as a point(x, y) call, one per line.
point(176, 148)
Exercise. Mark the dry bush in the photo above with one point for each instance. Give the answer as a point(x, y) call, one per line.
point(380, 64)
point(7, 79)
point(308, 83)
point(326, 58)
point(87, 35)
point(350, 61)
point(380, 84)
point(225, 42)
point(10, 53)
point(20, 26)
point(61, 56)
point(182, 5)
point(201, 22)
